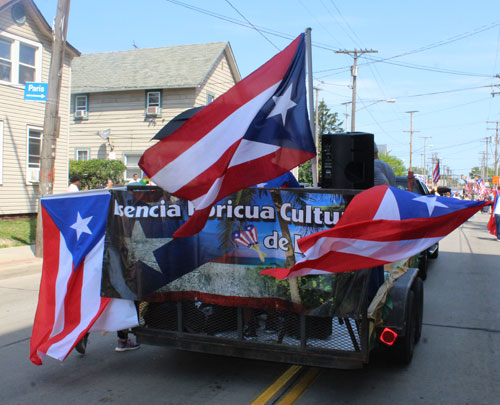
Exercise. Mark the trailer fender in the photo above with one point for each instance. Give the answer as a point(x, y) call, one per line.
point(398, 294)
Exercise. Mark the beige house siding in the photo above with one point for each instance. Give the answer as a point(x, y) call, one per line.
point(218, 81)
point(17, 194)
point(123, 112)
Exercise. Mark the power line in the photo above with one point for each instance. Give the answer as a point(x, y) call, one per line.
point(253, 26)
point(245, 24)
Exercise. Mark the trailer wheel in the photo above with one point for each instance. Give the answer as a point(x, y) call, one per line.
point(418, 290)
point(423, 265)
point(402, 350)
point(435, 254)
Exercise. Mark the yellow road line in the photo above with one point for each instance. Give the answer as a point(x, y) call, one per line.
point(298, 389)
point(271, 391)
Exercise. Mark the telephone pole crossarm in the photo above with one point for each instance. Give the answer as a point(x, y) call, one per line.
point(354, 74)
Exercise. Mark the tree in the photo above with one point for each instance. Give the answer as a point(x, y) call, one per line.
point(397, 164)
point(476, 172)
point(95, 173)
point(328, 123)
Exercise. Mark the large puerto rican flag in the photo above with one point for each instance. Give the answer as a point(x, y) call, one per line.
point(70, 303)
point(256, 131)
point(381, 225)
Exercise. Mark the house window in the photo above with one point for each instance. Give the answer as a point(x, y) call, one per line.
point(81, 107)
point(1, 150)
point(132, 163)
point(26, 63)
point(82, 154)
point(153, 103)
point(210, 97)
point(20, 60)
point(34, 153)
point(5, 59)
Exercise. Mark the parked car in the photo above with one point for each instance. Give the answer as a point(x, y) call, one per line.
point(419, 187)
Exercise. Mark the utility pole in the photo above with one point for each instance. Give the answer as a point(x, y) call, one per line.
point(316, 134)
point(496, 143)
point(425, 161)
point(486, 141)
point(354, 73)
point(411, 131)
point(346, 116)
point(51, 123)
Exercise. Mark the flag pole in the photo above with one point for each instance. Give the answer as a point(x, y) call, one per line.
point(310, 102)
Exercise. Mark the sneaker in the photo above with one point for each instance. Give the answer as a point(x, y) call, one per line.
point(81, 346)
point(125, 346)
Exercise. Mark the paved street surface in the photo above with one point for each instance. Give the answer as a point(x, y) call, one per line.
point(457, 360)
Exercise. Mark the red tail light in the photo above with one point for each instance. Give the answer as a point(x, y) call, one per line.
point(388, 336)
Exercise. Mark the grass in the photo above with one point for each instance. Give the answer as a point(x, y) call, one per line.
point(17, 231)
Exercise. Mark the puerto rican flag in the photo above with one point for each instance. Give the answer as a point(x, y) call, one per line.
point(436, 176)
point(256, 131)
point(381, 225)
point(70, 302)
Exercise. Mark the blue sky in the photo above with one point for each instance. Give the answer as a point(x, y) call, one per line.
point(457, 44)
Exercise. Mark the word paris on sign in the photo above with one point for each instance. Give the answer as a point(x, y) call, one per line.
point(35, 91)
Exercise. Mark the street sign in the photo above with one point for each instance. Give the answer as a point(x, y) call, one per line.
point(35, 91)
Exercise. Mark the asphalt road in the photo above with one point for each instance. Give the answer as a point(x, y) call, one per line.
point(456, 362)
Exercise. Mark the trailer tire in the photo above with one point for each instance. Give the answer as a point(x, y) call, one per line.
point(418, 290)
point(423, 265)
point(403, 348)
point(435, 254)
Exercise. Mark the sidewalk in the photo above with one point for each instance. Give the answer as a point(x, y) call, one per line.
point(15, 256)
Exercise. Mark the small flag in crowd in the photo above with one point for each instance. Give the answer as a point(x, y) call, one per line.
point(69, 302)
point(435, 174)
point(256, 131)
point(381, 225)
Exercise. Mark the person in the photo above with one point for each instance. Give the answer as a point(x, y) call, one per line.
point(135, 178)
point(109, 184)
point(382, 174)
point(382, 171)
point(74, 184)
point(494, 222)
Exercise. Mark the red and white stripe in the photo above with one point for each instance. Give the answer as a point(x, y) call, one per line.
point(207, 159)
point(436, 176)
point(70, 301)
point(353, 245)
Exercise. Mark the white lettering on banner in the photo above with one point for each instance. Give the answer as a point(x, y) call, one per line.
point(273, 241)
point(306, 215)
point(146, 211)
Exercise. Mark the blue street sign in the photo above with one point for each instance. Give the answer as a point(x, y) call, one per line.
point(35, 91)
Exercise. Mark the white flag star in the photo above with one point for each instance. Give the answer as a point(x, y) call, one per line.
point(431, 203)
point(283, 104)
point(80, 226)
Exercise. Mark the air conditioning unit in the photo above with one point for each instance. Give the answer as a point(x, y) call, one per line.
point(80, 114)
point(153, 111)
point(33, 175)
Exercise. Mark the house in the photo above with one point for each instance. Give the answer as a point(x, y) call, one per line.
point(25, 53)
point(120, 100)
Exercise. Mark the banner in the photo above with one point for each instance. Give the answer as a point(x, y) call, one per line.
point(247, 232)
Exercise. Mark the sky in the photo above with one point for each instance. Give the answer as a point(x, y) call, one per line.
point(439, 58)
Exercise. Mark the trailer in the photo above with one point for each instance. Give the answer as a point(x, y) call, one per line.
point(206, 293)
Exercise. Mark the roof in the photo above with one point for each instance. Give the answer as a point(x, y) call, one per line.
point(185, 66)
point(39, 19)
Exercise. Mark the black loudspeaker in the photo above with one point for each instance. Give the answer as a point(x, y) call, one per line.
point(347, 160)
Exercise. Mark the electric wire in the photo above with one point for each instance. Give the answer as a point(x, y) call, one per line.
point(252, 25)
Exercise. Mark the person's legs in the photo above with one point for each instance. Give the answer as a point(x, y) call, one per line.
point(497, 222)
point(81, 346)
point(124, 343)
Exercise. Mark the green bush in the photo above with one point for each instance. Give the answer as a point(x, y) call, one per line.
point(95, 173)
